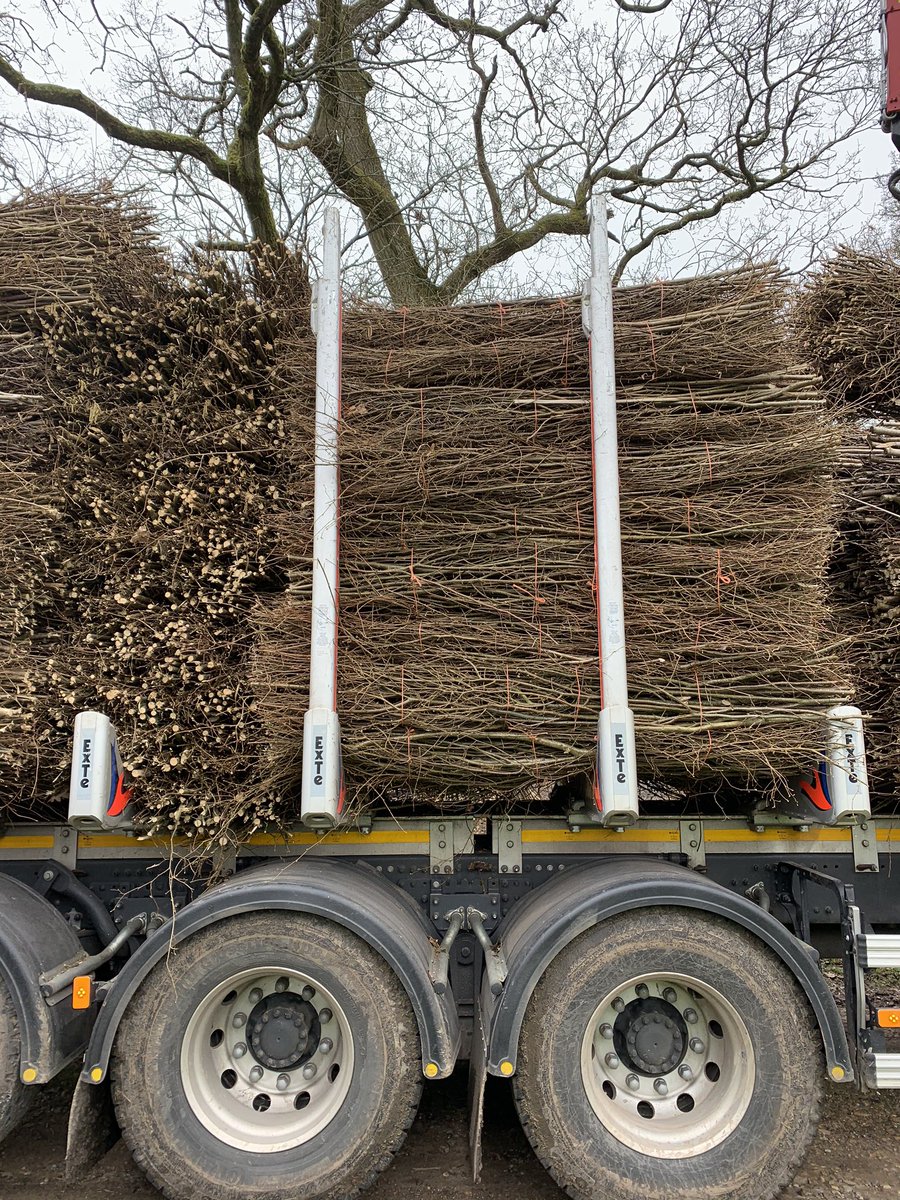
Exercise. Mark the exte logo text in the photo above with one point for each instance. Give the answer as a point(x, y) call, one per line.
point(620, 757)
point(85, 763)
point(318, 759)
point(850, 745)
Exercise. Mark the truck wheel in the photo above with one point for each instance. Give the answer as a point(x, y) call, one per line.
point(15, 1098)
point(272, 1055)
point(668, 1055)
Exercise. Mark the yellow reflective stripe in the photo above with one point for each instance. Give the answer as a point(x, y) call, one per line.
point(26, 842)
point(778, 834)
point(601, 835)
point(380, 837)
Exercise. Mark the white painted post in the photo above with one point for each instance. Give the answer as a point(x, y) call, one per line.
point(322, 795)
point(615, 785)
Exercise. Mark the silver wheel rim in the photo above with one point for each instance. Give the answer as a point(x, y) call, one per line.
point(668, 1065)
point(267, 1083)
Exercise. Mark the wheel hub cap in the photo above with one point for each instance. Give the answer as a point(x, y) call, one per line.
point(654, 1036)
point(283, 1031)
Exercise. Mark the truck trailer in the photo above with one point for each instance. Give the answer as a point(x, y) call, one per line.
point(262, 1022)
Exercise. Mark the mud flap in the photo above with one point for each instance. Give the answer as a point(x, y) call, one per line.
point(93, 1129)
point(477, 1080)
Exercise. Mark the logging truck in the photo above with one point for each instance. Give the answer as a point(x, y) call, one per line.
point(263, 1024)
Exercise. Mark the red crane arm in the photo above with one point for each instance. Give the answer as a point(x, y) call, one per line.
point(891, 62)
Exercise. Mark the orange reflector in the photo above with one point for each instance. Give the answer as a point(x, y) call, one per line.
point(81, 991)
point(889, 1018)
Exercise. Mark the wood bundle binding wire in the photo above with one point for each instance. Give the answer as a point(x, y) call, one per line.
point(468, 665)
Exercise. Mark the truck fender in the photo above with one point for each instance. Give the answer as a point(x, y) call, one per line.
point(350, 894)
point(554, 914)
point(35, 938)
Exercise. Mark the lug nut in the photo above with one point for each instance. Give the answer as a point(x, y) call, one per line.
point(282, 984)
point(309, 1071)
point(671, 995)
point(660, 1086)
point(606, 1031)
point(308, 992)
point(256, 996)
point(239, 1020)
point(612, 1061)
point(632, 1083)
point(690, 1016)
point(240, 1050)
point(642, 990)
point(324, 1016)
point(685, 1072)
point(325, 1046)
point(256, 1074)
point(619, 1004)
point(698, 1045)
point(283, 1082)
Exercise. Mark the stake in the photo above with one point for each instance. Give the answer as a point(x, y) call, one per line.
point(322, 791)
point(615, 783)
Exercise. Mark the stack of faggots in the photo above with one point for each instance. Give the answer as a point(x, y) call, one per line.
point(468, 669)
point(156, 436)
point(159, 436)
point(849, 321)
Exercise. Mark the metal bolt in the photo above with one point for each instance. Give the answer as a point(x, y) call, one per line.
point(308, 992)
point(606, 1031)
point(239, 1020)
point(690, 1016)
point(240, 1050)
point(283, 1082)
point(671, 995)
point(698, 1045)
point(685, 1072)
point(309, 1071)
point(48, 875)
point(619, 1004)
point(865, 842)
point(325, 1046)
point(612, 1062)
point(256, 1074)
point(324, 1016)
point(642, 990)
point(660, 1086)
point(632, 1083)
point(281, 985)
point(256, 996)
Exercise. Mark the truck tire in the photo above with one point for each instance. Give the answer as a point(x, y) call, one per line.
point(15, 1097)
point(270, 1055)
point(669, 1055)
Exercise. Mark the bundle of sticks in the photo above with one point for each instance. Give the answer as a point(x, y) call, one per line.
point(849, 323)
point(143, 534)
point(468, 658)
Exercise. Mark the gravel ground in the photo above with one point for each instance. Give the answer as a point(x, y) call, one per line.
point(856, 1155)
